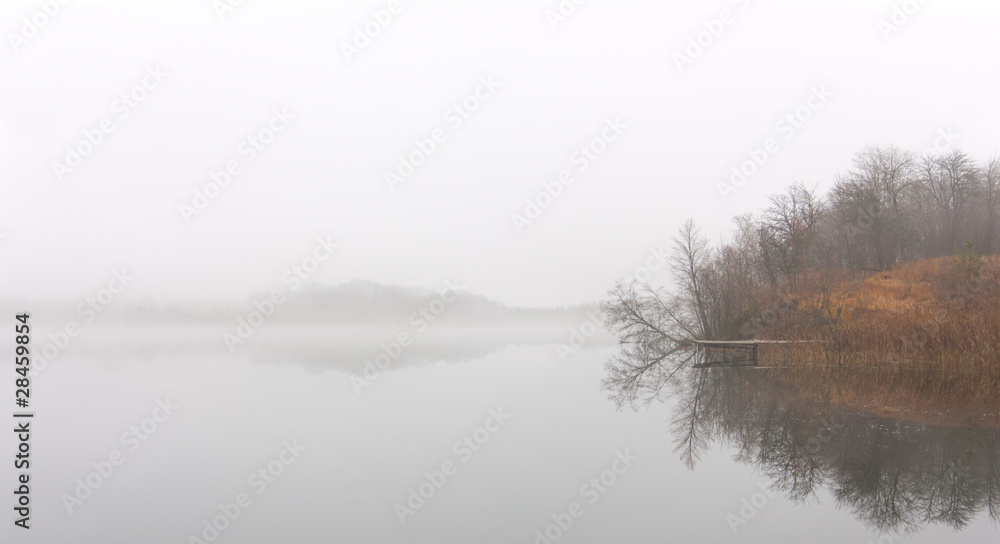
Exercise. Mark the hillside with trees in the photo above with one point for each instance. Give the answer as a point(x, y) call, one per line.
point(899, 243)
point(890, 279)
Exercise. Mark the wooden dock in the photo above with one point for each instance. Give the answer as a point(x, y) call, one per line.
point(746, 350)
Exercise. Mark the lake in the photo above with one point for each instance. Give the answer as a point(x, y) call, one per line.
point(182, 442)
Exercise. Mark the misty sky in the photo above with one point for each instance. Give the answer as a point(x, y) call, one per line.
point(212, 82)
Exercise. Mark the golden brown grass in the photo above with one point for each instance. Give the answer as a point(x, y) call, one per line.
point(921, 338)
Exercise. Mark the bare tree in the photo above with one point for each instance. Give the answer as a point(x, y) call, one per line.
point(790, 228)
point(947, 184)
point(870, 203)
point(689, 262)
point(990, 183)
point(652, 334)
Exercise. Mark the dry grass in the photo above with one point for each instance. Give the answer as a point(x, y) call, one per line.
point(921, 338)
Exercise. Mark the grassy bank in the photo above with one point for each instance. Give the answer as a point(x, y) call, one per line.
point(925, 335)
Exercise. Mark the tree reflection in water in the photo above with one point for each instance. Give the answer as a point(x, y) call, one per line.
point(895, 474)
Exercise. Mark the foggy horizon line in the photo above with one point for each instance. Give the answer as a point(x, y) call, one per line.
point(307, 287)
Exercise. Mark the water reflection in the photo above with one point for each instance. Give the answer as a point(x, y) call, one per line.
point(320, 348)
point(895, 473)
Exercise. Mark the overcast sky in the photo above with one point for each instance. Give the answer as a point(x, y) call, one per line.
point(202, 80)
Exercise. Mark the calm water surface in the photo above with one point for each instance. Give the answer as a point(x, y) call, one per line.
point(343, 464)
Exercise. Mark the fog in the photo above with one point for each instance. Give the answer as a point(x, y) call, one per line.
point(396, 271)
point(545, 87)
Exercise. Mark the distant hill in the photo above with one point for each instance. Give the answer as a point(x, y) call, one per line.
point(343, 327)
point(361, 303)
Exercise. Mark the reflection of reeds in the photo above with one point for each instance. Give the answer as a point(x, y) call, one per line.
point(925, 395)
point(895, 475)
point(914, 339)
